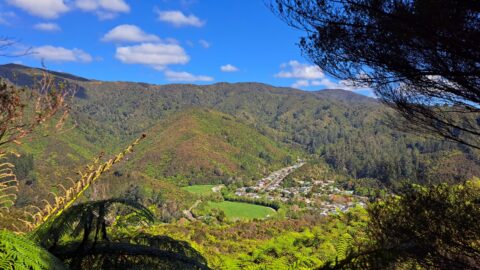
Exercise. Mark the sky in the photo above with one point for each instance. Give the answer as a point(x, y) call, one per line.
point(161, 41)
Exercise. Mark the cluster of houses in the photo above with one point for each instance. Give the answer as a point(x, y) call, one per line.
point(269, 184)
point(322, 195)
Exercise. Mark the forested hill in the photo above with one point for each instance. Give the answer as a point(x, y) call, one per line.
point(345, 129)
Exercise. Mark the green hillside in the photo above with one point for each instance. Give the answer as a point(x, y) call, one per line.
point(205, 146)
point(347, 131)
point(48, 158)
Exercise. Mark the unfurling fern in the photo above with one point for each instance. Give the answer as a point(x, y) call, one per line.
point(8, 185)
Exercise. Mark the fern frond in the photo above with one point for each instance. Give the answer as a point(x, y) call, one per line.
point(165, 253)
point(8, 185)
point(18, 252)
point(343, 246)
point(93, 172)
point(79, 216)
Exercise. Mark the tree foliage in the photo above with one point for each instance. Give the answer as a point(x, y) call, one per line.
point(432, 227)
point(23, 110)
point(421, 57)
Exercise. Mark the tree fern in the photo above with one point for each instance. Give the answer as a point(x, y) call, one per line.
point(19, 252)
point(140, 252)
point(343, 246)
point(86, 218)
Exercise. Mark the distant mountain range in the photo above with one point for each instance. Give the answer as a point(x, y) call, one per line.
point(236, 132)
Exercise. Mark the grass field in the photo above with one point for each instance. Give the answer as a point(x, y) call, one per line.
point(200, 189)
point(239, 210)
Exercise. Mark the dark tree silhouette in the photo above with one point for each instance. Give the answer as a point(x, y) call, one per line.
point(434, 228)
point(421, 57)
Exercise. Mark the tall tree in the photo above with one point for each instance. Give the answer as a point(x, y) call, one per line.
point(420, 56)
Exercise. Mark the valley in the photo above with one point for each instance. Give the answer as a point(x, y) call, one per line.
point(237, 171)
point(248, 137)
point(239, 135)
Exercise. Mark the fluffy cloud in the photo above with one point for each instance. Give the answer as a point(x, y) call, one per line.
point(312, 76)
point(229, 68)
point(49, 27)
point(326, 83)
point(129, 33)
point(297, 70)
point(107, 5)
point(60, 54)
point(105, 9)
point(205, 44)
point(48, 9)
point(156, 55)
point(186, 77)
point(300, 84)
point(51, 9)
point(178, 19)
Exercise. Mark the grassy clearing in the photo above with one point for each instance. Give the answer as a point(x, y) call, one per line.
point(200, 189)
point(240, 210)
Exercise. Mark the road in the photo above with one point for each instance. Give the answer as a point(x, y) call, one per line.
point(275, 178)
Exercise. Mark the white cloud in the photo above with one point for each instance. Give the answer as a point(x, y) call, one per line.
point(157, 55)
point(312, 76)
point(48, 9)
point(205, 44)
point(60, 54)
point(49, 27)
point(178, 19)
point(300, 84)
point(229, 68)
point(105, 9)
point(107, 5)
point(6, 17)
point(186, 77)
point(129, 33)
point(297, 70)
point(326, 83)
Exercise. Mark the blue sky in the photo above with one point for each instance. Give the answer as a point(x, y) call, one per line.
point(163, 41)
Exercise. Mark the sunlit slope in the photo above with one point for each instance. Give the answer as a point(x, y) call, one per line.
point(48, 158)
point(206, 146)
